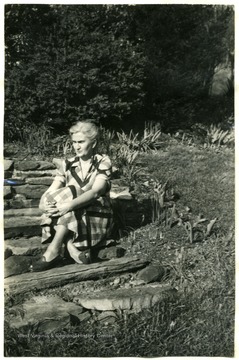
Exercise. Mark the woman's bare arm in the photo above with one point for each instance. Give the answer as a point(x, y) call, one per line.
point(54, 186)
point(99, 188)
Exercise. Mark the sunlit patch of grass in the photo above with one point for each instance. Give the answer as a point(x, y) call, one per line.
point(203, 179)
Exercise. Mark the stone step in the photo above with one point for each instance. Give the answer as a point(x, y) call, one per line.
point(24, 246)
point(18, 264)
point(21, 226)
point(48, 314)
point(20, 202)
point(26, 165)
point(30, 191)
point(22, 212)
point(136, 298)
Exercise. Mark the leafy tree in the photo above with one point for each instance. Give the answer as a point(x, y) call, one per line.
point(115, 63)
point(183, 44)
point(75, 62)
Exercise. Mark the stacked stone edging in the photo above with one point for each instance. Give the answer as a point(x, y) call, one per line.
point(36, 177)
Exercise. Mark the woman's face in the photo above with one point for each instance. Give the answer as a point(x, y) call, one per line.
point(82, 145)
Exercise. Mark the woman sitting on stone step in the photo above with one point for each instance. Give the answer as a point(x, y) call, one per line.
point(76, 207)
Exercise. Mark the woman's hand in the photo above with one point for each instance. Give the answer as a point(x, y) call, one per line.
point(50, 208)
point(46, 206)
point(63, 208)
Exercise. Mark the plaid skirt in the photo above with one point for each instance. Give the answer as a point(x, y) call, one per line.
point(89, 226)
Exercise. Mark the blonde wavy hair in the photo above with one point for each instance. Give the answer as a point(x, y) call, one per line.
point(88, 128)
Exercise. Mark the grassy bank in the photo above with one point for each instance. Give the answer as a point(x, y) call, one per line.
point(199, 321)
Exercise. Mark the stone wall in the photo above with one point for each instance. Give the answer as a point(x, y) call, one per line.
point(31, 180)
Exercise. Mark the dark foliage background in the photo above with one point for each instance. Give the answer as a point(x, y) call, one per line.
point(120, 64)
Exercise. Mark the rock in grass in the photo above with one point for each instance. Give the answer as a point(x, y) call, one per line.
point(111, 252)
point(77, 317)
point(107, 317)
point(17, 264)
point(151, 273)
point(47, 314)
point(136, 299)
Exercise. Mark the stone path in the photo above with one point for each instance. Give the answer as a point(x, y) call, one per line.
point(24, 246)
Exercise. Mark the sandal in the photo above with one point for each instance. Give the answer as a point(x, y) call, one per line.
point(43, 265)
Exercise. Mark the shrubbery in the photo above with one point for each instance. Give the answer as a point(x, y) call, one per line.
point(120, 64)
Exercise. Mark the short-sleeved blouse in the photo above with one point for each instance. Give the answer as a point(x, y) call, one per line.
point(70, 172)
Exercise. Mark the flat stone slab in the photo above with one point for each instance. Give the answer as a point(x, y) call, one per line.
point(15, 265)
point(33, 173)
point(135, 298)
point(26, 165)
point(24, 246)
point(71, 273)
point(7, 192)
point(31, 191)
point(46, 314)
point(22, 225)
point(22, 212)
point(8, 164)
point(44, 180)
point(46, 165)
point(20, 202)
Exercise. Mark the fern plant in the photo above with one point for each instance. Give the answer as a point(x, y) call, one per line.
point(216, 136)
point(125, 160)
point(149, 139)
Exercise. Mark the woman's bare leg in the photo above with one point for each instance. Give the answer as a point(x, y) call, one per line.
point(54, 249)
